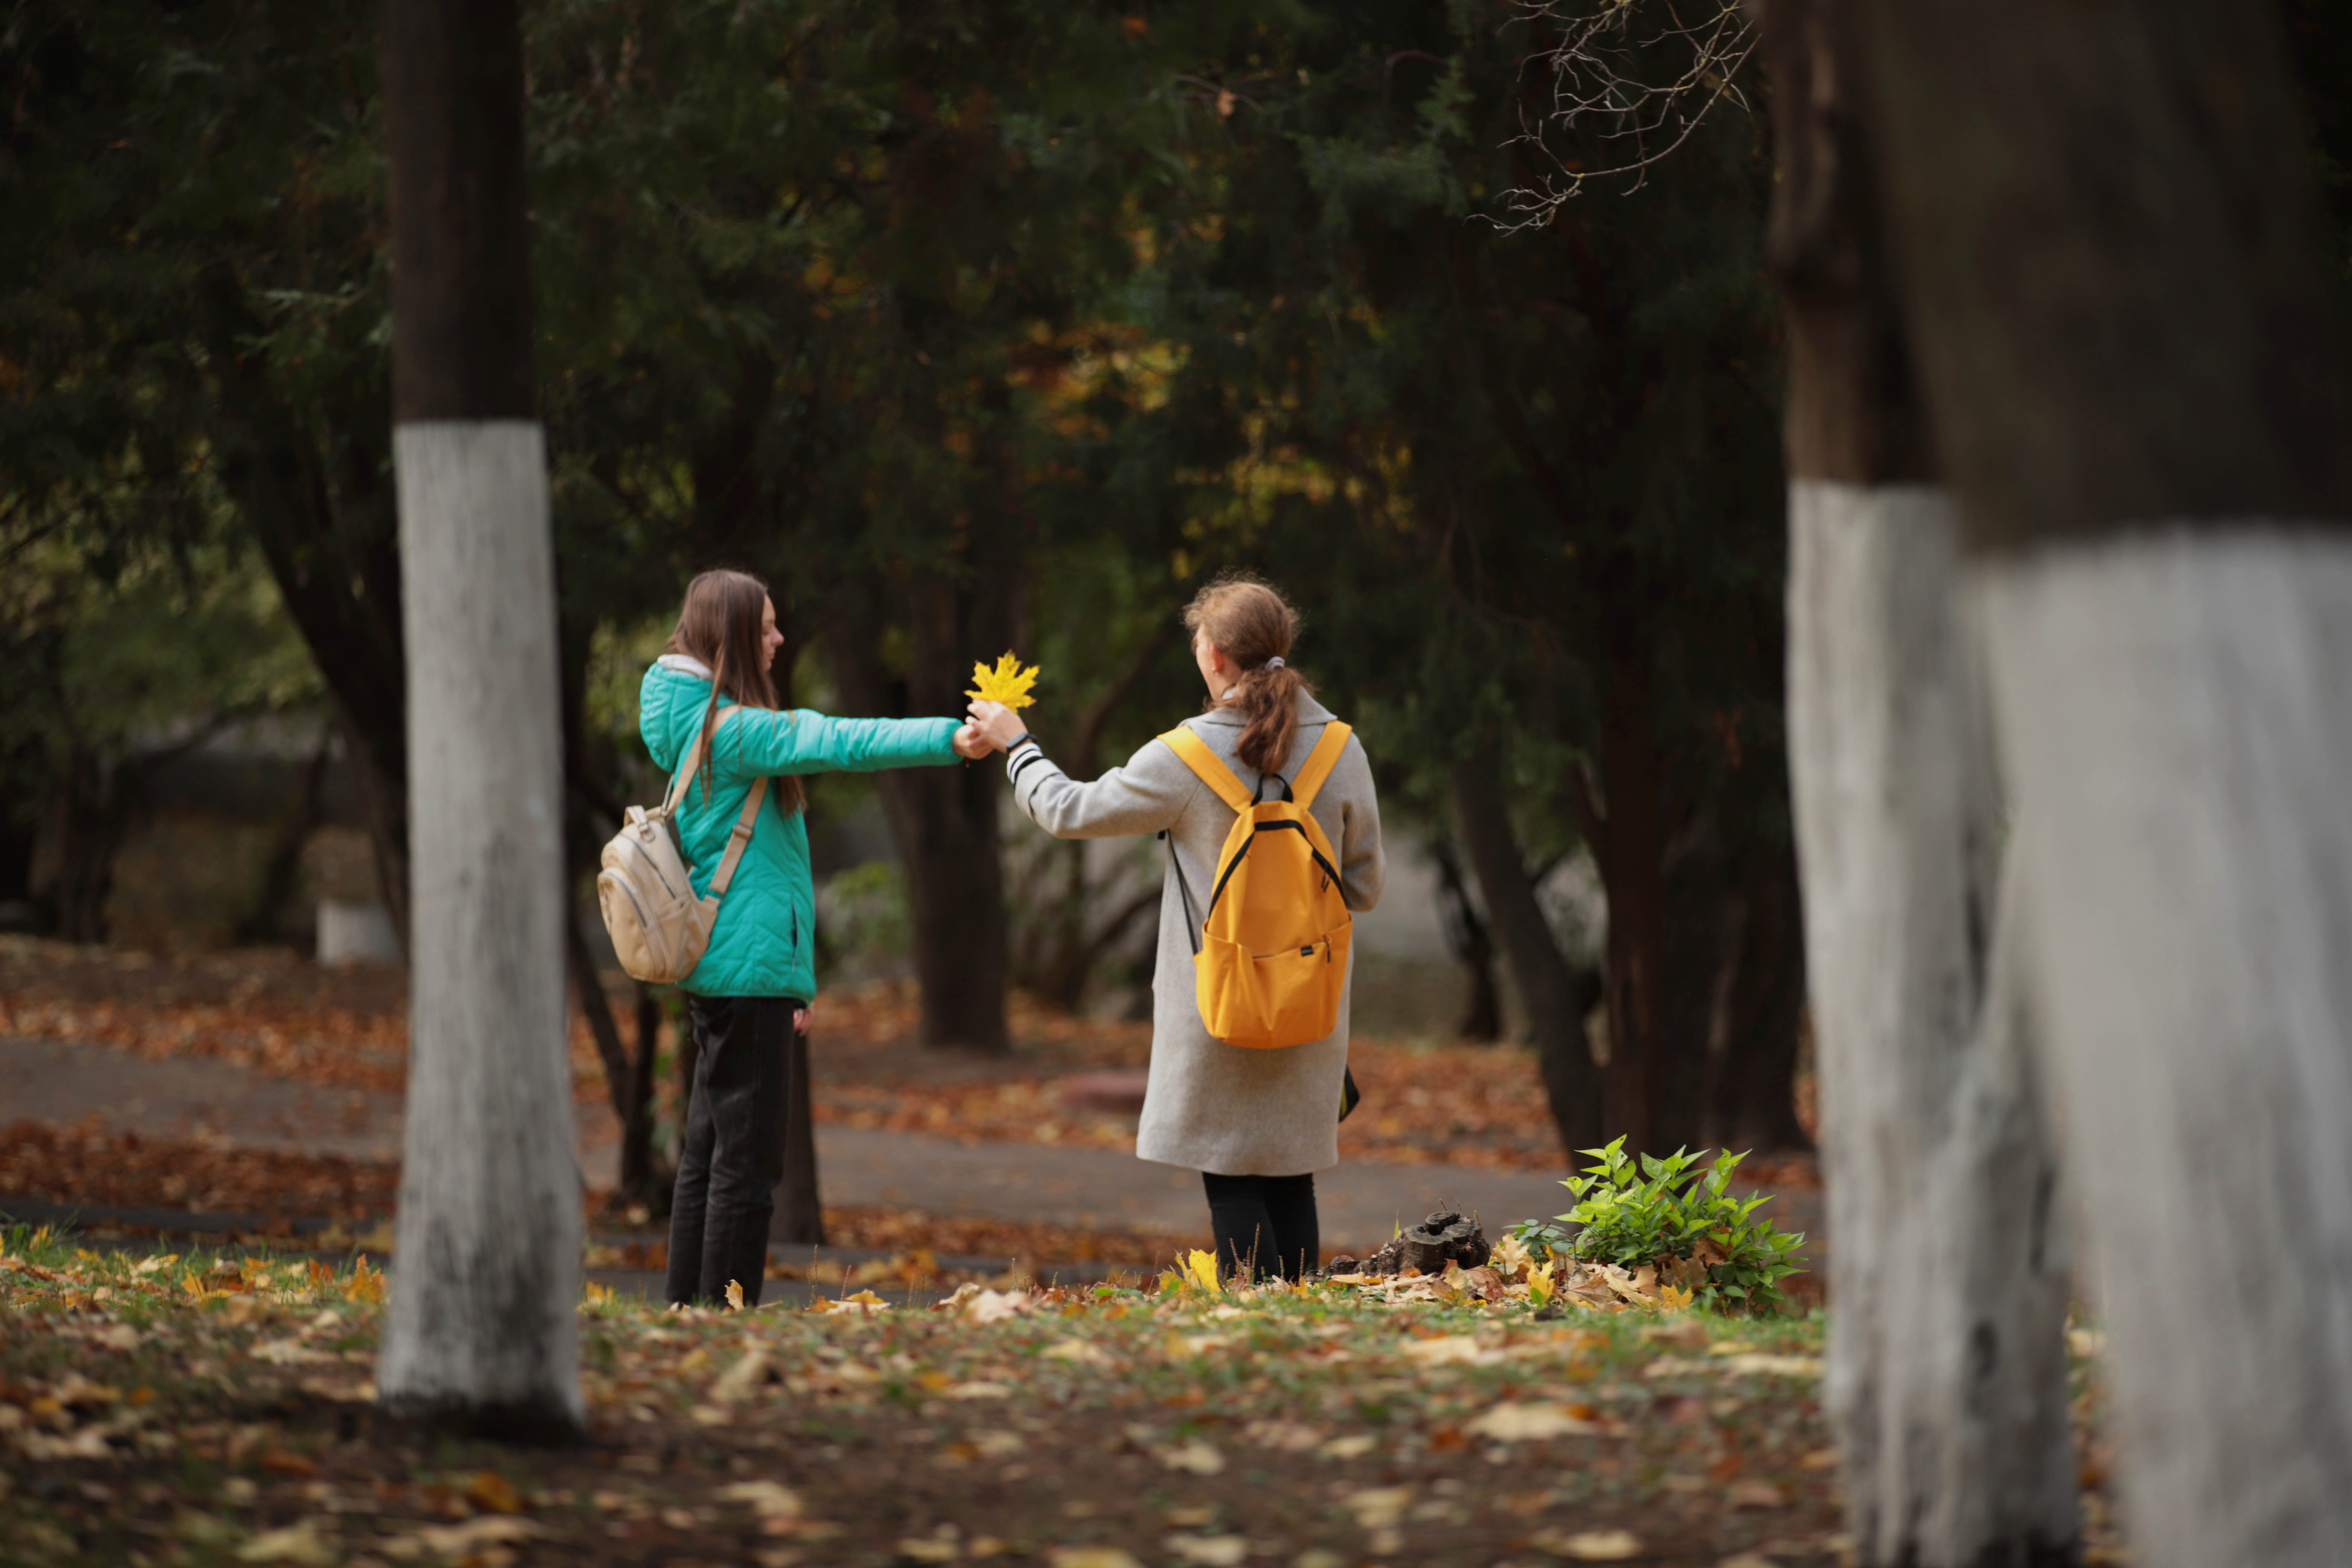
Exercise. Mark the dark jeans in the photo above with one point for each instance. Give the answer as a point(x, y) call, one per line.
point(731, 1157)
point(1265, 1221)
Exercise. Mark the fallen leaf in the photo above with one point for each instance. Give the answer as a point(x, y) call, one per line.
point(1210, 1551)
point(1196, 1457)
point(1756, 1494)
point(283, 1462)
point(930, 1548)
point(490, 1530)
point(995, 1306)
point(1079, 1353)
point(1378, 1508)
point(1589, 1545)
point(493, 1493)
point(1353, 1446)
point(744, 1378)
point(1452, 1350)
point(287, 1353)
point(734, 1296)
point(1090, 1557)
point(1512, 1422)
point(301, 1543)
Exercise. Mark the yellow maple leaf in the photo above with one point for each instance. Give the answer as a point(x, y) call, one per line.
point(1540, 1284)
point(596, 1295)
point(1005, 681)
point(1674, 1298)
point(1201, 1270)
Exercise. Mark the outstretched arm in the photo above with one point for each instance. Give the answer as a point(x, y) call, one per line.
point(1147, 794)
point(761, 743)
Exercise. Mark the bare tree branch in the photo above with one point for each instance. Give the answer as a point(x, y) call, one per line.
point(1601, 66)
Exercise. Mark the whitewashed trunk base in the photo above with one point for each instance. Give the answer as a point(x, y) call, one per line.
point(1947, 1382)
point(486, 1277)
point(2175, 713)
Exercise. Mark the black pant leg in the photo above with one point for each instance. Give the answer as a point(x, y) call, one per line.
point(746, 1086)
point(708, 1018)
point(1297, 1230)
point(1238, 1220)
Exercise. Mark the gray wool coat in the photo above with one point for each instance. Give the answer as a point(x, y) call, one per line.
point(1211, 1106)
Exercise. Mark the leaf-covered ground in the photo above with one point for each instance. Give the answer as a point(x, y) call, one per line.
point(270, 1010)
point(202, 1410)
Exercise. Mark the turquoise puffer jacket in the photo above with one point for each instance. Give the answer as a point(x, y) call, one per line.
point(762, 944)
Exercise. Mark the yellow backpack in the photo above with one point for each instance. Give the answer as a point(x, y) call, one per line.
point(1270, 959)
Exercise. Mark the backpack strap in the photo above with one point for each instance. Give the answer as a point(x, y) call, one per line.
point(692, 761)
point(737, 839)
point(741, 836)
point(1213, 772)
point(1319, 763)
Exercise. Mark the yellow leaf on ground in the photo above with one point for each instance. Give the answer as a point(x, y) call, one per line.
point(734, 1296)
point(1201, 1270)
point(1090, 1557)
point(1006, 681)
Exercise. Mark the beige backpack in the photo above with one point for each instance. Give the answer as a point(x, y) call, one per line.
point(659, 927)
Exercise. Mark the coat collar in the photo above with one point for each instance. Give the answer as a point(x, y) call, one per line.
point(1310, 713)
point(685, 664)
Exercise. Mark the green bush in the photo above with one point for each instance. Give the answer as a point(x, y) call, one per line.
point(1666, 1210)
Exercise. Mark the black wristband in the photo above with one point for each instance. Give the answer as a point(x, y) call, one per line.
point(1022, 739)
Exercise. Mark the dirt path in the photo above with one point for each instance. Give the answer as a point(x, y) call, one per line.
point(1080, 1188)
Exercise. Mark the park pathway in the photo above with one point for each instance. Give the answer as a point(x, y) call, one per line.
point(1080, 1188)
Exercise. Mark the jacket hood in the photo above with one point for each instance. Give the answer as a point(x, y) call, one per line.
point(670, 704)
point(1310, 713)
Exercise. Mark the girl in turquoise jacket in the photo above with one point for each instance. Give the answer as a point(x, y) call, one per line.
point(752, 988)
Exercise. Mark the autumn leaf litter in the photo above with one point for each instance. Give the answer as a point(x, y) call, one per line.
point(223, 1406)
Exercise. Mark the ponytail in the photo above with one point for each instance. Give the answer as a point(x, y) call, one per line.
point(1249, 624)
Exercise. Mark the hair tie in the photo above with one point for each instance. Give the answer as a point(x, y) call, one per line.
point(1274, 663)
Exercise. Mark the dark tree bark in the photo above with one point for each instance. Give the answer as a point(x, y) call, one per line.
point(799, 1215)
point(943, 820)
point(639, 1167)
point(1626, 828)
point(1467, 935)
point(1557, 998)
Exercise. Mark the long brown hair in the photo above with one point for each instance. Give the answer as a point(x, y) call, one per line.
point(720, 624)
point(1249, 624)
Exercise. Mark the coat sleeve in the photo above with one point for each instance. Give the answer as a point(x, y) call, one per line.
point(1363, 866)
point(761, 743)
point(1147, 794)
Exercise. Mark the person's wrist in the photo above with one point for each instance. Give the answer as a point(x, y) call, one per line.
point(1022, 739)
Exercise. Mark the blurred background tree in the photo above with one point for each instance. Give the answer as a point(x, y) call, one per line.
point(976, 326)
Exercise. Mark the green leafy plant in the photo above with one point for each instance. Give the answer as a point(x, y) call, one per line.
point(1649, 1209)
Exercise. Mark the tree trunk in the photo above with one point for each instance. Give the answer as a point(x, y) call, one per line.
point(1629, 848)
point(1554, 994)
point(1756, 1012)
point(1946, 1383)
point(799, 1215)
point(2124, 334)
point(1467, 935)
point(482, 1331)
point(943, 820)
point(640, 1172)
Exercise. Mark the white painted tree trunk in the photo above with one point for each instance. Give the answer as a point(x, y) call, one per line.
point(2175, 713)
point(487, 1273)
point(1949, 1270)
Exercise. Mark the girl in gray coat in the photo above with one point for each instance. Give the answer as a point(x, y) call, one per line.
point(1257, 1124)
